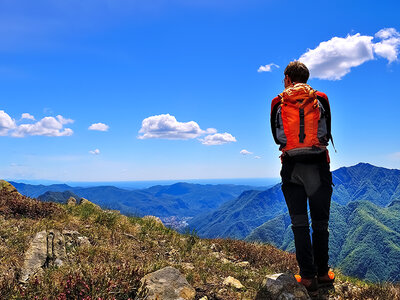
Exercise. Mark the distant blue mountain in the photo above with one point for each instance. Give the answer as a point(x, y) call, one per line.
point(59, 197)
point(179, 199)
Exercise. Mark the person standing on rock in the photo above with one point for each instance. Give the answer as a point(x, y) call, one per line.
point(301, 125)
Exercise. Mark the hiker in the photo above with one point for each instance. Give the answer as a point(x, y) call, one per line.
point(301, 125)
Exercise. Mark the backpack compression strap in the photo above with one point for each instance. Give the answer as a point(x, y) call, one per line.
point(302, 135)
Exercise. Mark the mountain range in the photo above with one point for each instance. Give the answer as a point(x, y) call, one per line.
point(180, 199)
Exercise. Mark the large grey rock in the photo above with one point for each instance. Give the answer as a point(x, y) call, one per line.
point(48, 248)
point(282, 286)
point(167, 284)
point(56, 254)
point(35, 256)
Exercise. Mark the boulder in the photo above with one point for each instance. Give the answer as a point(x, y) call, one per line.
point(48, 248)
point(35, 256)
point(282, 286)
point(71, 201)
point(56, 253)
point(167, 284)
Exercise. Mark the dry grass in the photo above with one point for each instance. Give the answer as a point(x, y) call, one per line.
point(14, 205)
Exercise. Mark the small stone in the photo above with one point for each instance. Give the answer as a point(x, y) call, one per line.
point(216, 254)
point(222, 291)
point(203, 298)
point(231, 281)
point(167, 284)
point(215, 247)
point(188, 266)
point(243, 263)
point(282, 286)
point(225, 261)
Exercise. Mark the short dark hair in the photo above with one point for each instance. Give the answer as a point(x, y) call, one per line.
point(297, 71)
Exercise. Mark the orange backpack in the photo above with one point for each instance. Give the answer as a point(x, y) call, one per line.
point(301, 120)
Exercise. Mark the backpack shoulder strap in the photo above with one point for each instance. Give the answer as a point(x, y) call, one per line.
point(325, 104)
point(276, 102)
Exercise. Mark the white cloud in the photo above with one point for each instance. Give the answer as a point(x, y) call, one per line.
point(167, 127)
point(267, 68)
point(211, 130)
point(63, 120)
point(95, 152)
point(386, 33)
point(245, 152)
point(389, 46)
point(218, 139)
point(27, 116)
point(257, 157)
point(333, 59)
point(99, 127)
point(6, 123)
point(48, 126)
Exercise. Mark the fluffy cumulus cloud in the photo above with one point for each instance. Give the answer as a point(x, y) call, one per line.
point(166, 126)
point(334, 58)
point(6, 123)
point(218, 139)
point(389, 46)
point(267, 68)
point(48, 126)
point(27, 116)
point(95, 152)
point(245, 152)
point(99, 127)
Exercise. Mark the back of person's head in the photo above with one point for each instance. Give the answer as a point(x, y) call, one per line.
point(297, 72)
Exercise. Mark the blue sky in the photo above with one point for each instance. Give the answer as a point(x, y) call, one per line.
point(174, 90)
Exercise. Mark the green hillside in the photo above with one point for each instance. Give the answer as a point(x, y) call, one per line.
point(364, 239)
point(237, 218)
point(366, 182)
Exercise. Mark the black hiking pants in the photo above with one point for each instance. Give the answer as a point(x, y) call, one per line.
point(308, 177)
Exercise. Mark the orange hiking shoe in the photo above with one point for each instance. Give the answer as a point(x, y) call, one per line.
point(327, 279)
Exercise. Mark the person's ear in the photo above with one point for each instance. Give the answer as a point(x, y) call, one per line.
point(288, 80)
